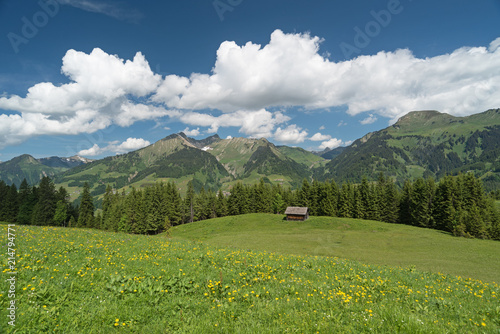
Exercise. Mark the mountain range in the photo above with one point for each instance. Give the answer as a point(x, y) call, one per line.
point(424, 144)
point(419, 144)
point(27, 167)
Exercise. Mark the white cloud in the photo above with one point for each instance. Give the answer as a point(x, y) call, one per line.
point(247, 80)
point(291, 71)
point(192, 133)
point(322, 127)
point(292, 134)
point(320, 137)
point(494, 45)
point(91, 152)
point(99, 94)
point(342, 123)
point(256, 124)
point(332, 143)
point(369, 120)
point(131, 144)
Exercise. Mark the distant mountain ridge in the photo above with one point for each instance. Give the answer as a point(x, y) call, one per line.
point(424, 144)
point(420, 144)
point(211, 163)
point(32, 169)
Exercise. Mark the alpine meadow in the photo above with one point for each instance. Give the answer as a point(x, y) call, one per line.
point(234, 166)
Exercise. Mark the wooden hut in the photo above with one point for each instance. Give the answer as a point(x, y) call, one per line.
point(295, 213)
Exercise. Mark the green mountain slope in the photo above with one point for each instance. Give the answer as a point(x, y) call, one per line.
point(31, 169)
point(175, 158)
point(425, 144)
point(248, 160)
point(212, 163)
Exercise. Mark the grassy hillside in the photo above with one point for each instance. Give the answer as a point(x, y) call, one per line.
point(367, 241)
point(172, 158)
point(302, 156)
point(88, 281)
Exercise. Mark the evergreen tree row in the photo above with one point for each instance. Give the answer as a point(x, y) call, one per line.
point(42, 205)
point(456, 204)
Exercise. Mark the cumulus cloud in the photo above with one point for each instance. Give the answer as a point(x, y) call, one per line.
point(192, 133)
point(245, 82)
point(131, 144)
point(289, 70)
point(320, 137)
point(369, 120)
point(292, 134)
point(100, 93)
point(256, 124)
point(331, 144)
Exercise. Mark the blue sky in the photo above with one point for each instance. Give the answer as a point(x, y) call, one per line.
point(96, 78)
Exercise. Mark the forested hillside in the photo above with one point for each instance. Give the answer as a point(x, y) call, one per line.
point(27, 167)
point(212, 163)
point(425, 144)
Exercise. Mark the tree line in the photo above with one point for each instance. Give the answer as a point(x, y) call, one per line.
point(456, 204)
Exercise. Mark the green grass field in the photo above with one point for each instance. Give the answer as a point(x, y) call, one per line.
point(370, 242)
point(87, 281)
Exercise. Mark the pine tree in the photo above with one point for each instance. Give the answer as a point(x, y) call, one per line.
point(366, 200)
point(262, 196)
point(61, 213)
point(238, 200)
point(154, 218)
point(27, 201)
point(63, 207)
point(345, 202)
point(86, 213)
point(221, 204)
point(444, 211)
point(304, 194)
point(358, 209)
point(419, 204)
point(4, 190)
point(12, 204)
point(390, 203)
point(107, 203)
point(405, 216)
point(174, 205)
point(189, 201)
point(132, 204)
point(200, 205)
point(475, 225)
point(328, 202)
point(315, 193)
point(278, 204)
point(45, 208)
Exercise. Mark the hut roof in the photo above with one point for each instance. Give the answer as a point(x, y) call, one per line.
point(295, 210)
